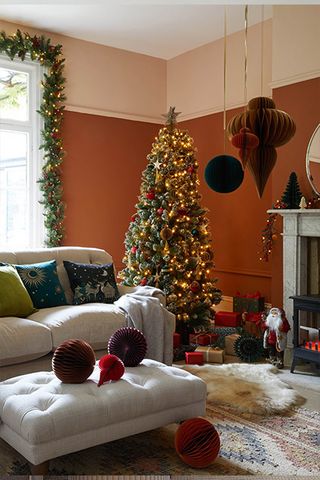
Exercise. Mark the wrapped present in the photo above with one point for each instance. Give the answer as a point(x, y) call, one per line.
point(251, 302)
point(211, 354)
point(253, 323)
point(228, 319)
point(194, 358)
point(229, 342)
point(176, 340)
point(203, 338)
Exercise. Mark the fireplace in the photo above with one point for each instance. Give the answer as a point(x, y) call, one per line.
point(306, 309)
point(301, 235)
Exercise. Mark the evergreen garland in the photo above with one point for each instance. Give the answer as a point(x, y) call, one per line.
point(39, 48)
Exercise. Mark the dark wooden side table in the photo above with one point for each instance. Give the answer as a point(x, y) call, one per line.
point(303, 306)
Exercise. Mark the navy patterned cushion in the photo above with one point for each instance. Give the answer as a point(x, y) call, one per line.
point(92, 283)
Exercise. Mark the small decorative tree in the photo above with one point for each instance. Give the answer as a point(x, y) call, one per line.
point(292, 195)
point(168, 244)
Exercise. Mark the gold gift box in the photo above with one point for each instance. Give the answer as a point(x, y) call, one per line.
point(229, 343)
point(211, 354)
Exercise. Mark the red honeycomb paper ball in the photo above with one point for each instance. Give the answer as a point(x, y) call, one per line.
point(112, 368)
point(197, 442)
point(129, 344)
point(73, 361)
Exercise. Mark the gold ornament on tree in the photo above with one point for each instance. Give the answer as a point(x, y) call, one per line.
point(166, 233)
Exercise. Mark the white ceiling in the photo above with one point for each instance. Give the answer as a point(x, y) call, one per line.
point(161, 28)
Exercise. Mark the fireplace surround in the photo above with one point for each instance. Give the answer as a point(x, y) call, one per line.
point(299, 226)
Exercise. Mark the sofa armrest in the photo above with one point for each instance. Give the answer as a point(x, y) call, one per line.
point(123, 289)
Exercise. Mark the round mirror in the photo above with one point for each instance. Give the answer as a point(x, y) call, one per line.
point(313, 160)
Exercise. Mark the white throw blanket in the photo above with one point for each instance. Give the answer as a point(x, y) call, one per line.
point(144, 311)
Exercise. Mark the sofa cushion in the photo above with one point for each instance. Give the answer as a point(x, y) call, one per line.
point(73, 254)
point(92, 283)
point(22, 340)
point(92, 322)
point(15, 301)
point(42, 282)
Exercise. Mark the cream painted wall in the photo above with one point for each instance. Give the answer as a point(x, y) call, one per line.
point(108, 80)
point(195, 78)
point(296, 43)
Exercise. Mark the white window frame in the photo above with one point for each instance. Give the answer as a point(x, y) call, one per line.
point(33, 126)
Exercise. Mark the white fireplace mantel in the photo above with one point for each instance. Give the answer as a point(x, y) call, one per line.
point(298, 225)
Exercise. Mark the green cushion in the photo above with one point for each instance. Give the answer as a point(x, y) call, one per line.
point(15, 301)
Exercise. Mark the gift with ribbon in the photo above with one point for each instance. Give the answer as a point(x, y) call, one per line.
point(228, 319)
point(194, 358)
point(203, 338)
point(229, 343)
point(250, 302)
point(253, 323)
point(211, 354)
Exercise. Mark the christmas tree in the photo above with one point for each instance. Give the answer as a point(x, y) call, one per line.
point(292, 195)
point(168, 243)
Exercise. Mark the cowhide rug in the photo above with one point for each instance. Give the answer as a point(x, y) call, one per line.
point(250, 388)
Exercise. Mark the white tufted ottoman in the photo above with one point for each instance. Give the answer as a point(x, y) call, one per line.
point(43, 418)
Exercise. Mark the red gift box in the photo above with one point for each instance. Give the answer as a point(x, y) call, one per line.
point(176, 340)
point(194, 358)
point(253, 323)
point(203, 338)
point(228, 319)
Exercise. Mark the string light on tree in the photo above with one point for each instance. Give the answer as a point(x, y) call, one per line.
point(168, 243)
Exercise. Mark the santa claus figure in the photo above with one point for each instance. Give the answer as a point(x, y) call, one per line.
point(275, 335)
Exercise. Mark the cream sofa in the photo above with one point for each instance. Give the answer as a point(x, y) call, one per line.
point(26, 344)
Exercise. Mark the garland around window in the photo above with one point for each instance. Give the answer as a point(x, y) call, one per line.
point(51, 110)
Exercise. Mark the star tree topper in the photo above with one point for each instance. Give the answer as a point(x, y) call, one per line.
point(171, 117)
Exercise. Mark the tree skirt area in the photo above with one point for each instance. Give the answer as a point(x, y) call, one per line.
point(250, 445)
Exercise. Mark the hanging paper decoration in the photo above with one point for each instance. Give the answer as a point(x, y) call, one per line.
point(224, 174)
point(273, 128)
point(245, 141)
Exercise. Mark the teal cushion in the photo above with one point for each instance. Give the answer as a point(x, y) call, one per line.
point(42, 282)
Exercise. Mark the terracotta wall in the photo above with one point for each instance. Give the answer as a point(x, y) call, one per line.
point(302, 101)
point(101, 178)
point(236, 218)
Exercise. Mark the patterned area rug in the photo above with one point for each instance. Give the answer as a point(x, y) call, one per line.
point(250, 445)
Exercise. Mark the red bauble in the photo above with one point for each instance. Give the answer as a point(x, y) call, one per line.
point(182, 211)
point(195, 287)
point(160, 211)
point(190, 169)
point(150, 195)
point(134, 249)
point(112, 368)
point(143, 282)
point(245, 139)
point(197, 442)
point(133, 218)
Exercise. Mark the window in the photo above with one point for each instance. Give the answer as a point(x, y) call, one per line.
point(21, 219)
